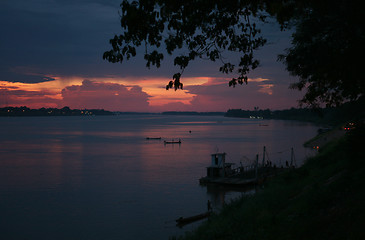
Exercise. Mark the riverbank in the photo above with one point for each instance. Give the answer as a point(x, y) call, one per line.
point(323, 199)
point(324, 138)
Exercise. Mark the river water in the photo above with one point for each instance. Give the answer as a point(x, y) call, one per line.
point(99, 178)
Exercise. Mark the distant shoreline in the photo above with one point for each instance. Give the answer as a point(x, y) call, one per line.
point(351, 111)
point(66, 111)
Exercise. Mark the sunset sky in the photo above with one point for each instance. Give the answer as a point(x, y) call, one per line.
point(51, 56)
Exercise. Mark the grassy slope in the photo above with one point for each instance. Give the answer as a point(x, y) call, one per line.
point(324, 199)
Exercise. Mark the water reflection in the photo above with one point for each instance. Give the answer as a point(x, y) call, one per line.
point(39, 164)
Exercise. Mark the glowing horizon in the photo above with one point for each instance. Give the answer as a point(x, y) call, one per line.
point(199, 94)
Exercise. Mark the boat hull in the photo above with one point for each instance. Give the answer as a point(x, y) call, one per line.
point(184, 221)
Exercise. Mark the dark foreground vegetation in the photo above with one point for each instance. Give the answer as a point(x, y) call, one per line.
point(65, 111)
point(323, 199)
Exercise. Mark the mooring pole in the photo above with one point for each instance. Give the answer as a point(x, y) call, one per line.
point(292, 159)
point(263, 157)
point(256, 167)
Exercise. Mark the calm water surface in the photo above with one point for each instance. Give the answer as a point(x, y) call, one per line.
point(99, 178)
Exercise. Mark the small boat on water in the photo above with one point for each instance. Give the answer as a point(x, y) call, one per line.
point(153, 138)
point(172, 142)
point(184, 221)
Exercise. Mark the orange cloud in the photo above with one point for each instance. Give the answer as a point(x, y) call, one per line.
point(20, 94)
point(258, 79)
point(266, 88)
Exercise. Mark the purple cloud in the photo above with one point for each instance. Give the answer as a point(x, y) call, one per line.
point(108, 96)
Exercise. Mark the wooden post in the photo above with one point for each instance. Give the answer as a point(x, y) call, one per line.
point(292, 158)
point(256, 166)
point(263, 157)
point(223, 162)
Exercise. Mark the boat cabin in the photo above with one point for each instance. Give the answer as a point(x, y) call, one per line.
point(218, 166)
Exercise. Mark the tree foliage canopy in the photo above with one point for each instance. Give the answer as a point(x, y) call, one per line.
point(326, 52)
point(326, 37)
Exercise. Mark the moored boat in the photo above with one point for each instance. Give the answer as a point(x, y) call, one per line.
point(184, 221)
point(172, 142)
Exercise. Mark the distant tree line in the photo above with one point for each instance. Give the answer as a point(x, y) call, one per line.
point(352, 111)
point(65, 111)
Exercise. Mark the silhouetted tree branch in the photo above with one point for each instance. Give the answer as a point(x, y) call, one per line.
point(327, 38)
